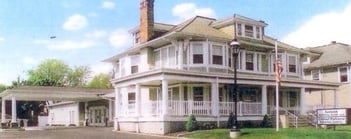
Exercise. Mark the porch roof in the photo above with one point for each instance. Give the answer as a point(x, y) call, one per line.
point(173, 75)
point(43, 93)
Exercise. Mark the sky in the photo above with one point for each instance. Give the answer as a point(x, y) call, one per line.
point(85, 32)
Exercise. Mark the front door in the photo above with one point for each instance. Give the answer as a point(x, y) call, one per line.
point(97, 116)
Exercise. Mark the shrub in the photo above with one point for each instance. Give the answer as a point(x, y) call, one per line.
point(267, 121)
point(230, 122)
point(191, 123)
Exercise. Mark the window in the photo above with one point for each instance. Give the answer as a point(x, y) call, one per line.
point(131, 98)
point(198, 54)
point(264, 63)
point(164, 57)
point(292, 64)
point(198, 93)
point(343, 74)
point(249, 31)
point(217, 57)
point(136, 37)
point(158, 58)
point(249, 61)
point(315, 75)
point(172, 56)
point(134, 64)
point(123, 68)
point(258, 33)
point(239, 30)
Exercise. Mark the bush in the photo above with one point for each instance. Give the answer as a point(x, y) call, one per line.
point(206, 126)
point(230, 122)
point(267, 121)
point(191, 123)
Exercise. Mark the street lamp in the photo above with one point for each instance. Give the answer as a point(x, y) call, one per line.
point(235, 45)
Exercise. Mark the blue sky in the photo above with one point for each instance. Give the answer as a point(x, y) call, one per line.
point(89, 31)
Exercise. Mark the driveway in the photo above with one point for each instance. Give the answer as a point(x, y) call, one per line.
point(77, 133)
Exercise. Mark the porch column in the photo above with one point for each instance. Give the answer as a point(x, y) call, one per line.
point(214, 98)
point(336, 99)
point(117, 109)
point(14, 112)
point(164, 97)
point(110, 110)
point(3, 112)
point(86, 113)
point(302, 101)
point(180, 57)
point(137, 100)
point(264, 99)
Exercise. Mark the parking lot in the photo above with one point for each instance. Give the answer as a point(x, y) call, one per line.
point(77, 133)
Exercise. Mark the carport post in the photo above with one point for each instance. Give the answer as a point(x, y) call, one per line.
point(3, 112)
point(14, 112)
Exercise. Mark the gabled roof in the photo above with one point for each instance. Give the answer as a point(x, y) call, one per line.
point(200, 26)
point(332, 54)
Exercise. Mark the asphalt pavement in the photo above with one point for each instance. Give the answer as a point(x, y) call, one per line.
point(78, 133)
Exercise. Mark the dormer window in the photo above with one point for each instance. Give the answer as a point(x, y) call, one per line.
point(136, 36)
point(249, 31)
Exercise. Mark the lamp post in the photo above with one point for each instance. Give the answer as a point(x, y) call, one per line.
point(235, 45)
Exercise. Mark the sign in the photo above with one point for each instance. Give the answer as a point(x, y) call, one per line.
point(331, 116)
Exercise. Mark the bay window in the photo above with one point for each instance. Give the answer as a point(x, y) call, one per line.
point(292, 64)
point(217, 55)
point(249, 61)
point(198, 54)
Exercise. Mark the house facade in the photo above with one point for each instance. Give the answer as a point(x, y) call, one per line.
point(172, 71)
point(333, 64)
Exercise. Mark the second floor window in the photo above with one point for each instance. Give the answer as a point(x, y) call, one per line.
point(315, 74)
point(134, 64)
point(198, 56)
point(343, 74)
point(217, 56)
point(249, 61)
point(292, 64)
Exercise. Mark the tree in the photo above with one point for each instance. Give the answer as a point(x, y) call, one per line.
point(78, 76)
point(100, 81)
point(2, 88)
point(51, 72)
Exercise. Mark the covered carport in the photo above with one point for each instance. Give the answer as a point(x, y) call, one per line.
point(44, 93)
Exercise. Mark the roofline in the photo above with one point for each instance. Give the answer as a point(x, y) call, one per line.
point(236, 18)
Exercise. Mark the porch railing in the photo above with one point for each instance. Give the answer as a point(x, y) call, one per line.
point(243, 108)
point(184, 108)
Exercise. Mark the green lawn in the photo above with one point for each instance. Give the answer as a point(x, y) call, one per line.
point(342, 132)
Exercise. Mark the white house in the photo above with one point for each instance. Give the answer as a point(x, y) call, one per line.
point(171, 71)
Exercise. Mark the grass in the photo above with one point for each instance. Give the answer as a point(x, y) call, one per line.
point(270, 133)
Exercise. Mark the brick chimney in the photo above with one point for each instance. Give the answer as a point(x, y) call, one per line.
point(146, 20)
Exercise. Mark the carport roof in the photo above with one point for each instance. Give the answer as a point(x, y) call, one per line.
point(43, 93)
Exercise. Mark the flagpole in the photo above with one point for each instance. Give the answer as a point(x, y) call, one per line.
point(276, 88)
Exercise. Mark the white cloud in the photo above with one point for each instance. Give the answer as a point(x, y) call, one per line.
point(96, 34)
point(66, 45)
point(185, 11)
point(101, 68)
point(75, 22)
point(108, 5)
point(120, 38)
point(2, 39)
point(29, 60)
point(322, 29)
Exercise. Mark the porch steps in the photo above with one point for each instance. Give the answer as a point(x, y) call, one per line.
point(302, 121)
